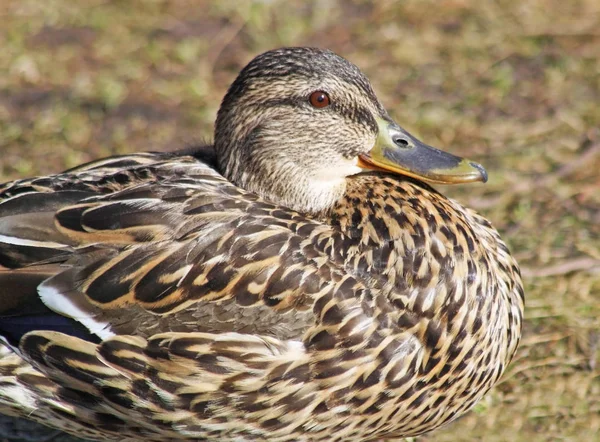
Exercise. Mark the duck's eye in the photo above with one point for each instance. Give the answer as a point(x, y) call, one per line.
point(319, 99)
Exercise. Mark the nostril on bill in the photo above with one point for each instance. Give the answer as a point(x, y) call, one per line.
point(402, 142)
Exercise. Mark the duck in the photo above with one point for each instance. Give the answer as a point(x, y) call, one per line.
point(299, 279)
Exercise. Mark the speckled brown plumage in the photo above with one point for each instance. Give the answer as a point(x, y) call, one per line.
point(222, 314)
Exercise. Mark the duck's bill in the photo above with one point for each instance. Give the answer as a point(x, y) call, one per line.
point(398, 151)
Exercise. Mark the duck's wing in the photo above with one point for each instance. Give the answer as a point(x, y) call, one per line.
point(151, 243)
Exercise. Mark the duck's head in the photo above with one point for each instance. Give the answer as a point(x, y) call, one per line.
point(297, 122)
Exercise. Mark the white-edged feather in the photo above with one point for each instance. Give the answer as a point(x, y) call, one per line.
point(13, 240)
point(62, 304)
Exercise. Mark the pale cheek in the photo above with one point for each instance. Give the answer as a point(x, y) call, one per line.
point(337, 171)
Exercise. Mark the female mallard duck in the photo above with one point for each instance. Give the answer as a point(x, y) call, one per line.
point(296, 283)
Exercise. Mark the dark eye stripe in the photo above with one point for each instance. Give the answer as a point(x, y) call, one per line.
point(356, 114)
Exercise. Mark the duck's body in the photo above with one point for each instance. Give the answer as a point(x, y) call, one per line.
point(153, 300)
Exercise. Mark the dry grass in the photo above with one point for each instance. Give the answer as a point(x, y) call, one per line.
point(514, 86)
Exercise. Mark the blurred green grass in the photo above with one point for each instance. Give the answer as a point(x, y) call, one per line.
point(515, 86)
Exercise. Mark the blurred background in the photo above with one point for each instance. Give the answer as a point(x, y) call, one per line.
point(512, 85)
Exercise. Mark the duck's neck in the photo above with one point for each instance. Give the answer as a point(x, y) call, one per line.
point(289, 188)
point(308, 187)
